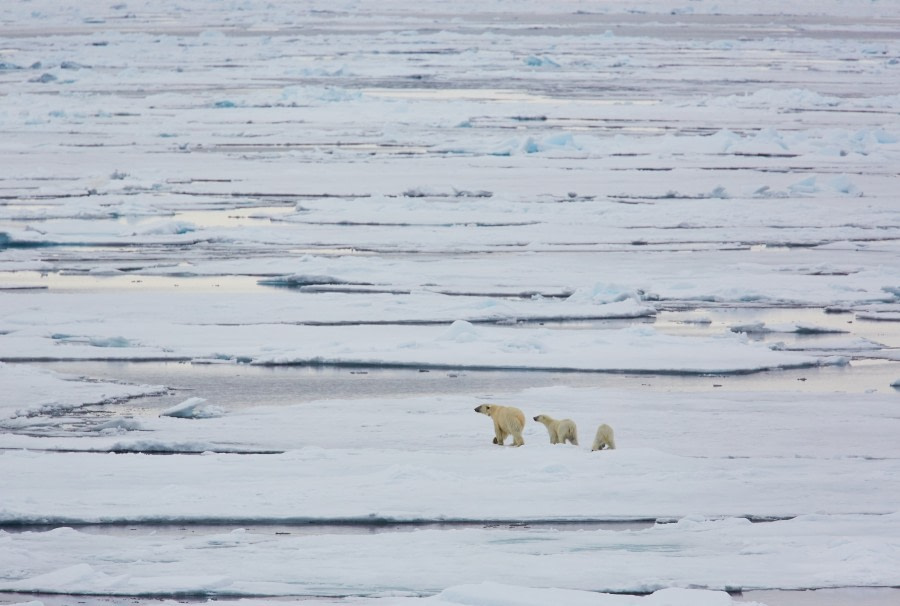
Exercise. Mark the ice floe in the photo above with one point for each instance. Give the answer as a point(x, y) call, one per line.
point(28, 390)
point(734, 554)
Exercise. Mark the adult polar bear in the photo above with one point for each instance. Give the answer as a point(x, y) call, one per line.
point(508, 420)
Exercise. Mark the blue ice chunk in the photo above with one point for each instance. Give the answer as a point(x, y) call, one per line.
point(535, 61)
point(806, 186)
point(111, 342)
point(719, 192)
point(884, 137)
point(842, 184)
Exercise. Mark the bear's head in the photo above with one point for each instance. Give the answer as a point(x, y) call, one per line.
point(484, 409)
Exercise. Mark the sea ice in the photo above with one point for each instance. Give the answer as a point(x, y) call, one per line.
point(193, 408)
point(28, 390)
point(468, 184)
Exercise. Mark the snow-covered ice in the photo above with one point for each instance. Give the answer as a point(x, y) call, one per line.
point(707, 461)
point(793, 554)
point(28, 391)
point(674, 188)
point(193, 408)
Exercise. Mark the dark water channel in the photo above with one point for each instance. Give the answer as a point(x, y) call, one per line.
point(236, 386)
point(319, 528)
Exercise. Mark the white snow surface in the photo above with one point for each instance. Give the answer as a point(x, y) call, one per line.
point(193, 408)
point(706, 460)
point(450, 187)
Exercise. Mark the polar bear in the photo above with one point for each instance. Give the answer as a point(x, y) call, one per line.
point(508, 420)
point(604, 438)
point(559, 431)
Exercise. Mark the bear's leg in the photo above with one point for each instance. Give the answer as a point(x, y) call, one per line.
point(517, 439)
point(500, 435)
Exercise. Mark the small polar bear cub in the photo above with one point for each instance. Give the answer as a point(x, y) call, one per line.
point(508, 421)
point(559, 431)
point(604, 438)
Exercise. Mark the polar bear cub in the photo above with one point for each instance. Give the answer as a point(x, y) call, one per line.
point(508, 420)
point(559, 431)
point(604, 438)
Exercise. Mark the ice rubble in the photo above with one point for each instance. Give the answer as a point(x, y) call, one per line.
point(193, 408)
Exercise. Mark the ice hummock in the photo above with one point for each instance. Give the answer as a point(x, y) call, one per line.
point(193, 408)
